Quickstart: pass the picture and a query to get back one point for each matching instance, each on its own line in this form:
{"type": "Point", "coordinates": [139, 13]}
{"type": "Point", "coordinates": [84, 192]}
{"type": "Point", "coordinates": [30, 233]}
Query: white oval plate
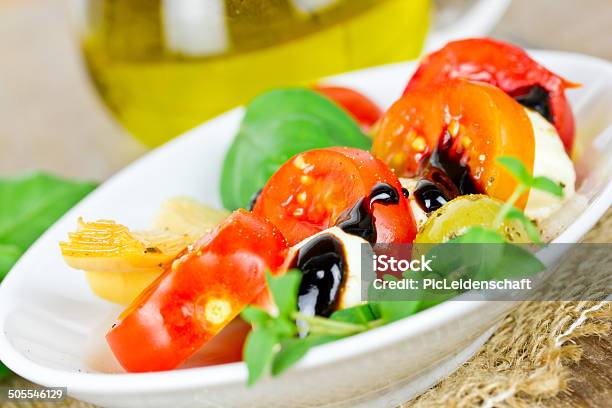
{"type": "Point", "coordinates": [52, 326]}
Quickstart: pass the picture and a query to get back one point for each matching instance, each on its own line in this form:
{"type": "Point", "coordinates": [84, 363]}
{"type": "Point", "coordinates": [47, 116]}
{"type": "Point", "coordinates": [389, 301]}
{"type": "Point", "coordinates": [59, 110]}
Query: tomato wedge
{"type": "Point", "coordinates": [483, 122]}
{"type": "Point", "coordinates": [308, 193]}
{"type": "Point", "coordinates": [507, 67]}
{"type": "Point", "coordinates": [200, 294]}
{"type": "Point", "coordinates": [359, 106]}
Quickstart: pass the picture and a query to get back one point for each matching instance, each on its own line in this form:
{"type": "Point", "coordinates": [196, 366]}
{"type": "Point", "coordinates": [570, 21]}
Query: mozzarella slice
{"type": "Point", "coordinates": [354, 250]}
{"type": "Point", "coordinates": [420, 216]}
{"type": "Point", "coordinates": [551, 161]}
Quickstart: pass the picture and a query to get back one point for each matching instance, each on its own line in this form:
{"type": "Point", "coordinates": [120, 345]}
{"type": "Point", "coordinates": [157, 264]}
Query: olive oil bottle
{"type": "Point", "coordinates": [165, 66]}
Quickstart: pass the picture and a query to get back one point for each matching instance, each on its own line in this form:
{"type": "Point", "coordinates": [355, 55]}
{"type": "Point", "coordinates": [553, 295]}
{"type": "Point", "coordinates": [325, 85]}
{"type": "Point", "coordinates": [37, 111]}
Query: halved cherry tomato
{"type": "Point", "coordinates": [482, 120]}
{"type": "Point", "coordinates": [359, 106]}
{"type": "Point", "coordinates": [507, 67]}
{"type": "Point", "coordinates": [308, 193]}
{"type": "Point", "coordinates": [200, 294]}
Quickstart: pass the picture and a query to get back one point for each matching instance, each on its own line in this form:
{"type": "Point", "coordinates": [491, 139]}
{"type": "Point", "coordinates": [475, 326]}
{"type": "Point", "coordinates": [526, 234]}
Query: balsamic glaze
{"type": "Point", "coordinates": [322, 260]}
{"type": "Point", "coordinates": [445, 175]}
{"type": "Point", "coordinates": [537, 98]}
{"type": "Point", "coordinates": [359, 219]}
{"type": "Point", "coordinates": [322, 264]}
{"type": "Point", "coordinates": [253, 199]}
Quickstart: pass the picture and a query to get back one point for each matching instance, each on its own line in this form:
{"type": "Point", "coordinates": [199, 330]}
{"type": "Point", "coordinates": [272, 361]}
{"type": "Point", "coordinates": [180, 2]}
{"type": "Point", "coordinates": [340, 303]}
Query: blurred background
{"type": "Point", "coordinates": [54, 117]}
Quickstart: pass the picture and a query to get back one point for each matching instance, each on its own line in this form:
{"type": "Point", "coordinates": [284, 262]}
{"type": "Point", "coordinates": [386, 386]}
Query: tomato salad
{"type": "Point", "coordinates": [314, 175]}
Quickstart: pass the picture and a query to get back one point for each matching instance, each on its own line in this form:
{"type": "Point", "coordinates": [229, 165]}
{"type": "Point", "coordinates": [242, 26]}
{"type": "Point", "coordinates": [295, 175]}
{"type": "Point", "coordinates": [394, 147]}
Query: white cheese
{"type": "Point", "coordinates": [354, 249]}
{"type": "Point", "coordinates": [551, 161]}
{"type": "Point", "coordinates": [420, 216]}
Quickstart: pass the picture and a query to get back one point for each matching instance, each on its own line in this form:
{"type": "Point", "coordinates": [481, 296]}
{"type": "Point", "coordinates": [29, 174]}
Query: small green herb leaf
{"type": "Point", "coordinates": [292, 350]}
{"type": "Point", "coordinates": [258, 352]}
{"type": "Point", "coordinates": [479, 235]}
{"type": "Point", "coordinates": [531, 229]}
{"type": "Point", "coordinates": [545, 184]}
{"type": "Point", "coordinates": [517, 168]}
{"type": "Point", "coordinates": [255, 316]}
{"type": "Point", "coordinates": [283, 327]}
{"type": "Point", "coordinates": [359, 314]}
{"type": "Point", "coordinates": [284, 291]}
{"type": "Point", "coordinates": [396, 310]}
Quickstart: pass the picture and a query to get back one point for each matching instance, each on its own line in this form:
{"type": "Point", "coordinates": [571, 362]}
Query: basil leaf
{"type": "Point", "coordinates": [545, 184]}
{"type": "Point", "coordinates": [292, 350]}
{"type": "Point", "coordinates": [516, 168]}
{"type": "Point", "coordinates": [258, 352]}
{"type": "Point", "coordinates": [31, 204]}
{"type": "Point", "coordinates": [9, 254]}
{"type": "Point", "coordinates": [28, 206]}
{"type": "Point", "coordinates": [278, 125]}
{"type": "Point", "coordinates": [255, 316]}
{"type": "Point", "coordinates": [359, 314]}
{"type": "Point", "coordinates": [479, 235]}
{"type": "Point", "coordinates": [4, 372]}
{"type": "Point", "coordinates": [284, 291]}
{"type": "Point", "coordinates": [396, 310]}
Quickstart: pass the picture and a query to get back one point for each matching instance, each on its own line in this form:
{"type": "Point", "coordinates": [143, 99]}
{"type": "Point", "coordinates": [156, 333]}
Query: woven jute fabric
{"type": "Point", "coordinates": [525, 363]}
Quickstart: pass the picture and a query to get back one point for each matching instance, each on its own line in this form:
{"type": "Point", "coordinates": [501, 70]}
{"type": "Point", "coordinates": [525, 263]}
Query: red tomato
{"type": "Point", "coordinates": [359, 106]}
{"type": "Point", "coordinates": [483, 121]}
{"type": "Point", "coordinates": [308, 193]}
{"type": "Point", "coordinates": [199, 295]}
{"type": "Point", "coordinates": [507, 67]}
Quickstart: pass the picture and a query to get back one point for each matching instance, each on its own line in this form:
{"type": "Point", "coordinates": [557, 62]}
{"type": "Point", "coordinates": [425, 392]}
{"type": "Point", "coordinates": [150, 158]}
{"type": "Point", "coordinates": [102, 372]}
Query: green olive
{"type": "Point", "coordinates": [454, 217]}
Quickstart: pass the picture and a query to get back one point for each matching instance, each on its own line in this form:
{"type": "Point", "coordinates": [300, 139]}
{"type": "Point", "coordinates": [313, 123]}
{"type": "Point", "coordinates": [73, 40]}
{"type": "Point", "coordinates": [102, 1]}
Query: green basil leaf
{"type": "Point", "coordinates": [4, 371]}
{"type": "Point", "coordinates": [284, 291]}
{"type": "Point", "coordinates": [255, 316]}
{"type": "Point", "coordinates": [545, 184]}
{"type": "Point", "coordinates": [359, 314]}
{"type": "Point", "coordinates": [479, 235]}
{"type": "Point", "coordinates": [28, 206]}
{"type": "Point", "coordinates": [258, 352]}
{"type": "Point", "coordinates": [532, 231]}
{"type": "Point", "coordinates": [278, 125]}
{"type": "Point", "coordinates": [516, 168]}
{"type": "Point", "coordinates": [291, 352]}
{"type": "Point", "coordinates": [396, 310]}
{"type": "Point", "coordinates": [283, 327]}
{"type": "Point", "coordinates": [9, 254]}
{"type": "Point", "coordinates": [31, 204]}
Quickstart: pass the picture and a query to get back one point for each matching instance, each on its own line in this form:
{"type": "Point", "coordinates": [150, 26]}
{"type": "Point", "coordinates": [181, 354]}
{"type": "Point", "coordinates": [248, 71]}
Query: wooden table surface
{"type": "Point", "coordinates": [50, 117]}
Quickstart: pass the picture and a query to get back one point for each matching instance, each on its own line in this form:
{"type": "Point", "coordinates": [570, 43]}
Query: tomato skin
{"type": "Point", "coordinates": [359, 106]}
{"type": "Point", "coordinates": [500, 64]}
{"type": "Point", "coordinates": [200, 294]}
{"type": "Point", "coordinates": [308, 193]}
{"type": "Point", "coordinates": [485, 122]}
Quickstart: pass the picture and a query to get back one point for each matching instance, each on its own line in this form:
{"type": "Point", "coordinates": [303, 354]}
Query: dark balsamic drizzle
{"type": "Point", "coordinates": [359, 219]}
{"type": "Point", "coordinates": [322, 264]}
{"type": "Point", "coordinates": [444, 176]}
{"type": "Point", "coordinates": [253, 199]}
{"type": "Point", "coordinates": [322, 259]}
{"type": "Point", "coordinates": [535, 97]}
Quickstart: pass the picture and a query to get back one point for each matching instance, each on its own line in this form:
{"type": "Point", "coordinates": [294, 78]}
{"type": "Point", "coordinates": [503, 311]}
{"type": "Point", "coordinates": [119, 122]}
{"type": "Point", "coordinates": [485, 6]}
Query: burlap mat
{"type": "Point", "coordinates": [527, 362]}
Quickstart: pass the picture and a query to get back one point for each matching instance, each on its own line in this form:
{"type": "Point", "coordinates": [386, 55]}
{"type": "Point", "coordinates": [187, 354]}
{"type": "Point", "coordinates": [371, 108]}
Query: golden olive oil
{"type": "Point", "coordinates": [164, 66]}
